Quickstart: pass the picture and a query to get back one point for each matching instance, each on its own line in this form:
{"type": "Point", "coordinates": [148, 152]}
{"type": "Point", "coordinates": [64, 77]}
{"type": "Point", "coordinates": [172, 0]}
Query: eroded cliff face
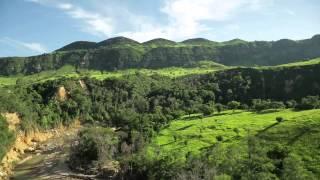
{"type": "Point", "coordinates": [62, 94]}
{"type": "Point", "coordinates": [26, 142]}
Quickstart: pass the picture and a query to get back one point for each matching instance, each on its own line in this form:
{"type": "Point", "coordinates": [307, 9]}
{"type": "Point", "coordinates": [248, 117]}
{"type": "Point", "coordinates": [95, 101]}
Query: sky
{"type": "Point", "coordinates": [31, 27]}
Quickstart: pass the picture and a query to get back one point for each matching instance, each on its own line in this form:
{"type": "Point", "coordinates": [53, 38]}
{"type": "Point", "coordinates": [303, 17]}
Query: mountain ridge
{"type": "Point", "coordinates": [124, 53]}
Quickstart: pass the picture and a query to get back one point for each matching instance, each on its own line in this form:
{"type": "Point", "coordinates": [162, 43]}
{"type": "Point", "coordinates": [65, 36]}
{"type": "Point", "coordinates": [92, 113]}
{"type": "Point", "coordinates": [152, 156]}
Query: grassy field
{"type": "Point", "coordinates": [300, 130]}
{"type": "Point", "coordinates": [302, 63]}
{"type": "Point", "coordinates": [69, 71]}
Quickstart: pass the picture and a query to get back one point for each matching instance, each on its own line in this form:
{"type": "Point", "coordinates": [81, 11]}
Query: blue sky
{"type": "Point", "coordinates": [31, 27]}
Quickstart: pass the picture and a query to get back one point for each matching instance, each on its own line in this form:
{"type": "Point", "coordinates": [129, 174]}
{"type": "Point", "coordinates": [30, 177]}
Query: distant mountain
{"type": "Point", "coordinates": [117, 41]}
{"type": "Point", "coordinates": [199, 41]}
{"type": "Point", "coordinates": [235, 41]}
{"type": "Point", "coordinates": [78, 45]}
{"type": "Point", "coordinates": [160, 42]}
{"type": "Point", "coordinates": [122, 53]}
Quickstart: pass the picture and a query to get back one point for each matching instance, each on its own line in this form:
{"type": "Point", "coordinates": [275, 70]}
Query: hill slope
{"type": "Point", "coordinates": [225, 136]}
{"type": "Point", "coordinates": [123, 53]}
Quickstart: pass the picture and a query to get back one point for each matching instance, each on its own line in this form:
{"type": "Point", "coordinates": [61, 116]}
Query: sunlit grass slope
{"type": "Point", "coordinates": [70, 71]}
{"type": "Point", "coordinates": [300, 131]}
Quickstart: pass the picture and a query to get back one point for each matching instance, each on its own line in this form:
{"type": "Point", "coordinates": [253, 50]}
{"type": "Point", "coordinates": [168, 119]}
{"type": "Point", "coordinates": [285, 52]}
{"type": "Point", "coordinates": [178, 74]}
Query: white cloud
{"type": "Point", "coordinates": [32, 46]}
{"type": "Point", "coordinates": [65, 6]}
{"type": "Point", "coordinates": [94, 23]}
{"type": "Point", "coordinates": [185, 18]}
{"type": "Point", "coordinates": [36, 47]}
{"type": "Point", "coordinates": [232, 27]}
{"type": "Point", "coordinates": [290, 12]}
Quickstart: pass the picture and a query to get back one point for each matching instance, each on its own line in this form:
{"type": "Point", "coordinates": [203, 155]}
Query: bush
{"type": "Point", "coordinates": [206, 110]}
{"type": "Point", "coordinates": [259, 105]}
{"type": "Point", "coordinates": [233, 105]}
{"type": "Point", "coordinates": [291, 103]}
{"type": "Point", "coordinates": [95, 146]}
{"type": "Point", "coordinates": [236, 130]}
{"type": "Point", "coordinates": [279, 119]}
{"type": "Point", "coordinates": [219, 138]}
{"type": "Point", "coordinates": [6, 137]}
{"type": "Point", "coordinates": [244, 106]}
{"type": "Point", "coordinates": [219, 107]}
{"type": "Point", "coordinates": [309, 102]}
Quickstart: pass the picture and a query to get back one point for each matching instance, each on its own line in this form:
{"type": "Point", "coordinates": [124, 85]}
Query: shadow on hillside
{"type": "Point", "coordinates": [212, 115]}
{"type": "Point", "coordinates": [192, 117]}
{"type": "Point", "coordinates": [267, 128]}
{"type": "Point", "coordinates": [301, 133]}
{"type": "Point", "coordinates": [268, 111]}
{"type": "Point", "coordinates": [185, 127]}
{"type": "Point", "coordinates": [221, 114]}
{"type": "Point", "coordinates": [167, 143]}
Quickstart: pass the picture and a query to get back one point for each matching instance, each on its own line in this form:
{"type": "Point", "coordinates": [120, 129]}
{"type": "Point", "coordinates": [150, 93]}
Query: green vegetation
{"type": "Point", "coordinates": [202, 121]}
{"type": "Point", "coordinates": [198, 133]}
{"type": "Point", "coordinates": [121, 53]}
{"type": "Point", "coordinates": [69, 71]}
{"type": "Point", "coordinates": [96, 147]}
{"type": "Point", "coordinates": [298, 135]}
{"type": "Point", "coordinates": [6, 137]}
{"type": "Point", "coordinates": [302, 63]}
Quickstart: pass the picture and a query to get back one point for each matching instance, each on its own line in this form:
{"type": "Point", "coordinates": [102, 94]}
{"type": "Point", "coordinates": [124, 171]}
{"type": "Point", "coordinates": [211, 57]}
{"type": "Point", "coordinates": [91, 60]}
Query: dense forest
{"type": "Point", "coordinates": [139, 106]}
{"type": "Point", "coordinates": [123, 53]}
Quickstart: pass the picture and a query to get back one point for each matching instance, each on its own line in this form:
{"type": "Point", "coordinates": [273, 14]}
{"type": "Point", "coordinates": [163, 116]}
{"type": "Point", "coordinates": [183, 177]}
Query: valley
{"type": "Point", "coordinates": [151, 119]}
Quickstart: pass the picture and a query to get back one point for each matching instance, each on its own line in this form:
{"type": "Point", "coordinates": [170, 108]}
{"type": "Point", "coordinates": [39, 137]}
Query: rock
{"type": "Point", "coordinates": [29, 150]}
{"type": "Point", "coordinates": [110, 169]}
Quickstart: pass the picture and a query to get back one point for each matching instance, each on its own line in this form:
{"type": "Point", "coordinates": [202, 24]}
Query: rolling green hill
{"type": "Point", "coordinates": [123, 53]}
{"type": "Point", "coordinates": [69, 71]}
{"type": "Point", "coordinates": [299, 134]}
{"type": "Point", "coordinates": [161, 121]}
{"type": "Point", "coordinates": [167, 109]}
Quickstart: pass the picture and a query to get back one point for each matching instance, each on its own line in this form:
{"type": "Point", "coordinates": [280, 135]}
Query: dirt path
{"type": "Point", "coordinates": [48, 161]}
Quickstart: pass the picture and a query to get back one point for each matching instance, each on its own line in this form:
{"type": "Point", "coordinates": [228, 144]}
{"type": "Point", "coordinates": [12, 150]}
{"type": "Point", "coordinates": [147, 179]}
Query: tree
{"type": "Point", "coordinates": [291, 103]}
{"type": "Point", "coordinates": [206, 110]}
{"type": "Point", "coordinates": [233, 105]}
{"type": "Point", "coordinates": [219, 107]}
{"type": "Point", "coordinates": [6, 137]}
{"type": "Point", "coordinates": [257, 165]}
{"type": "Point", "coordinates": [293, 169]}
{"type": "Point", "coordinates": [279, 119]}
{"type": "Point", "coordinates": [309, 102]}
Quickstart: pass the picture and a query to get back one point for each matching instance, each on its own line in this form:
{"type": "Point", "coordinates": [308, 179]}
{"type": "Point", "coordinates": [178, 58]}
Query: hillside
{"type": "Point", "coordinates": [131, 116]}
{"type": "Point", "coordinates": [226, 136]}
{"type": "Point", "coordinates": [123, 53]}
{"type": "Point", "coordinates": [68, 71]}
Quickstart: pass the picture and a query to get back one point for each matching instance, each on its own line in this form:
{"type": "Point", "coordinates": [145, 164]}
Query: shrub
{"type": "Point", "coordinates": [309, 102]}
{"type": "Point", "coordinates": [219, 138]}
{"type": "Point", "coordinates": [6, 137]}
{"type": "Point", "coordinates": [259, 105]}
{"type": "Point", "coordinates": [236, 130]}
{"type": "Point", "coordinates": [206, 110]}
{"type": "Point", "coordinates": [279, 119]}
{"type": "Point", "coordinates": [95, 145]}
{"type": "Point", "coordinates": [244, 106]}
{"type": "Point", "coordinates": [233, 105]}
{"type": "Point", "coordinates": [291, 103]}
{"type": "Point", "coordinates": [219, 107]}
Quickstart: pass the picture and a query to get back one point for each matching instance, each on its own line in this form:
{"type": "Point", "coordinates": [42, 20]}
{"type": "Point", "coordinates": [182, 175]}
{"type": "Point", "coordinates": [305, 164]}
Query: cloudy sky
{"type": "Point", "coordinates": [30, 27]}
